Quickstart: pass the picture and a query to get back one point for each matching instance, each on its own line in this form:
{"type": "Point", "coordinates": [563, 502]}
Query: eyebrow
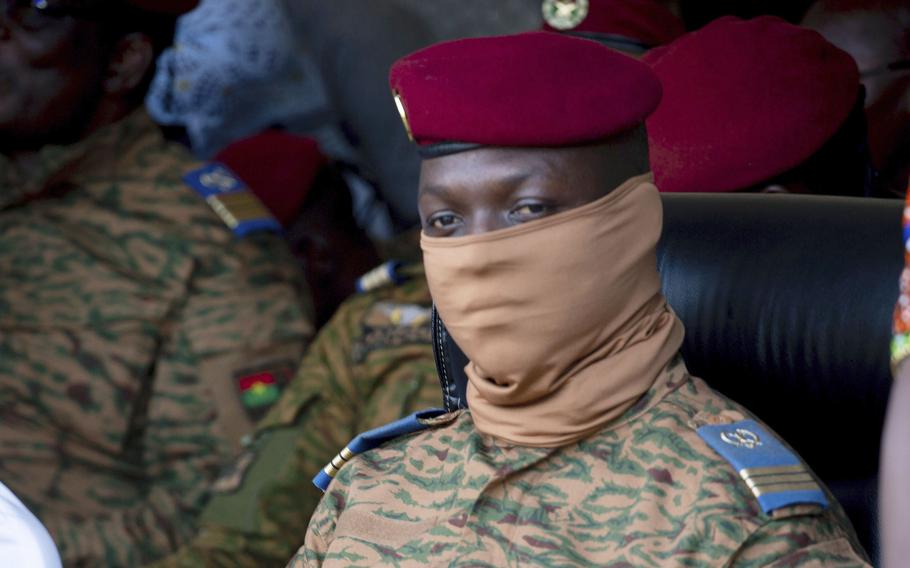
{"type": "Point", "coordinates": [514, 180]}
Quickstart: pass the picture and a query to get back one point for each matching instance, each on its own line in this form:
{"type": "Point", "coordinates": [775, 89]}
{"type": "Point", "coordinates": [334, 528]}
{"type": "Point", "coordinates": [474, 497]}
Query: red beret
{"type": "Point", "coordinates": [279, 168]}
{"type": "Point", "coordinates": [646, 21]}
{"type": "Point", "coordinates": [172, 7]}
{"type": "Point", "coordinates": [530, 89]}
{"type": "Point", "coordinates": [745, 101]}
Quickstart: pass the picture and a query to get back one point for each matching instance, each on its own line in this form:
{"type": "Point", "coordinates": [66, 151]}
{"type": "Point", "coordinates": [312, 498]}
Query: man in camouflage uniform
{"type": "Point", "coordinates": [139, 334]}
{"type": "Point", "coordinates": [371, 364]}
{"type": "Point", "coordinates": [587, 442]}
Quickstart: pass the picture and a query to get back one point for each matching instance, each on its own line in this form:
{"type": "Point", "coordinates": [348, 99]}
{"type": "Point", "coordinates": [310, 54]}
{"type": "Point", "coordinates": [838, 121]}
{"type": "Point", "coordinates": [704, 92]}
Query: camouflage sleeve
{"type": "Point", "coordinates": [802, 541]}
{"type": "Point", "coordinates": [322, 527]}
{"type": "Point", "coordinates": [242, 314]}
{"type": "Point", "coordinates": [350, 380]}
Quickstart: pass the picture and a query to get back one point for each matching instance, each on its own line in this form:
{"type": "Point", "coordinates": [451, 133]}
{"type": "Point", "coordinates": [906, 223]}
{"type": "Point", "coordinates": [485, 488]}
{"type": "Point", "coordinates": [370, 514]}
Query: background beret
{"type": "Point", "coordinates": [646, 21]}
{"type": "Point", "coordinates": [279, 168]}
{"type": "Point", "coordinates": [745, 101]}
{"type": "Point", "coordinates": [530, 89]}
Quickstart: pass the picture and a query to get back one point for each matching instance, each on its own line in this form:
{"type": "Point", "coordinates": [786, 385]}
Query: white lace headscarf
{"type": "Point", "coordinates": [236, 69]}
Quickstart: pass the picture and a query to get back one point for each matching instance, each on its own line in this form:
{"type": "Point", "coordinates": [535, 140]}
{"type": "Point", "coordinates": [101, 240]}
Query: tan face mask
{"type": "Point", "coordinates": [562, 318]}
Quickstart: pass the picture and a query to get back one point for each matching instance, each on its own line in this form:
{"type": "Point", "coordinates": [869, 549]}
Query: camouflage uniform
{"type": "Point", "coordinates": [646, 491]}
{"type": "Point", "coordinates": [128, 310]}
{"type": "Point", "coordinates": [371, 364]}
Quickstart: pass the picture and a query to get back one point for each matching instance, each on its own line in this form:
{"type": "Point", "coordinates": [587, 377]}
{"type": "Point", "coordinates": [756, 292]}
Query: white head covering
{"type": "Point", "coordinates": [236, 69]}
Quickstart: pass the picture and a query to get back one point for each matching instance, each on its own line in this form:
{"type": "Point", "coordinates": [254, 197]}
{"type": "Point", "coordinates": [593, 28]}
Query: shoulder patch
{"type": "Point", "coordinates": [774, 474]}
{"type": "Point", "coordinates": [387, 274]}
{"type": "Point", "coordinates": [231, 200]}
{"type": "Point", "coordinates": [421, 420]}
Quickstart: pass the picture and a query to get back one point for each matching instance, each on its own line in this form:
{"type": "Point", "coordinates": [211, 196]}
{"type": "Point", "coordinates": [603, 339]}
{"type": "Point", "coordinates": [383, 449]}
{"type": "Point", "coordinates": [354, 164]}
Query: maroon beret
{"type": "Point", "coordinates": [745, 101]}
{"type": "Point", "coordinates": [531, 89]}
{"type": "Point", "coordinates": [646, 21]}
{"type": "Point", "coordinates": [279, 168]}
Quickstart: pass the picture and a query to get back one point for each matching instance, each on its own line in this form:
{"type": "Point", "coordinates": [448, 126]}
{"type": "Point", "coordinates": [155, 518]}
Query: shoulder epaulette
{"type": "Point", "coordinates": [416, 422]}
{"type": "Point", "coordinates": [386, 274]}
{"type": "Point", "coordinates": [231, 200]}
{"type": "Point", "coordinates": [776, 476]}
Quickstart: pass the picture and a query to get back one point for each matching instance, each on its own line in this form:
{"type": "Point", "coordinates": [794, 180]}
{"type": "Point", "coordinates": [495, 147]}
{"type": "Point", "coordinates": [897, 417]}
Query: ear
{"type": "Point", "coordinates": [131, 59]}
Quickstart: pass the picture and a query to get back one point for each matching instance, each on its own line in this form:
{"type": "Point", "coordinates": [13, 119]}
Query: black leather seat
{"type": "Point", "coordinates": [787, 304]}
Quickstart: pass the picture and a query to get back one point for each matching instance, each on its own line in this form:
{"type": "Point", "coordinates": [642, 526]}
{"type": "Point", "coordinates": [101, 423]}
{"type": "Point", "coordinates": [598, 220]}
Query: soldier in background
{"type": "Point", "coordinates": [587, 442]}
{"type": "Point", "coordinates": [370, 365]}
{"type": "Point", "coordinates": [147, 311]}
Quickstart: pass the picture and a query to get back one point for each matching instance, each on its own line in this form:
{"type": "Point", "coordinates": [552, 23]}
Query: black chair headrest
{"type": "Point", "coordinates": [787, 304]}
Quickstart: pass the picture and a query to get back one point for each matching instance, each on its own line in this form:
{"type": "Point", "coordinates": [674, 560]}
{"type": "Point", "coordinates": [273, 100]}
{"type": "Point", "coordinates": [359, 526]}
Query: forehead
{"type": "Point", "coordinates": [492, 165]}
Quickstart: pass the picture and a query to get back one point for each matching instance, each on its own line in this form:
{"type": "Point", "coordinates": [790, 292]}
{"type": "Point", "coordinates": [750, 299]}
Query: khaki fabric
{"type": "Point", "coordinates": [128, 311]}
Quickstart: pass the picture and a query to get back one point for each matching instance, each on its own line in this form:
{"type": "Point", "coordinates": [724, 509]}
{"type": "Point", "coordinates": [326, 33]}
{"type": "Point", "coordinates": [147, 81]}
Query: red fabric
{"type": "Point", "coordinates": [646, 21]}
{"type": "Point", "coordinates": [278, 167]}
{"type": "Point", "coordinates": [744, 101]}
{"type": "Point", "coordinates": [175, 7]}
{"type": "Point", "coordinates": [531, 89]}
{"type": "Point", "coordinates": [248, 382]}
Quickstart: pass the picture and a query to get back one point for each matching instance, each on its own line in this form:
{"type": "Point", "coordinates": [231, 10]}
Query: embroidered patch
{"type": "Point", "coordinates": [416, 422]}
{"type": "Point", "coordinates": [774, 474]}
{"type": "Point", "coordinates": [388, 325]}
{"type": "Point", "coordinates": [259, 390]}
{"type": "Point", "coordinates": [231, 200]}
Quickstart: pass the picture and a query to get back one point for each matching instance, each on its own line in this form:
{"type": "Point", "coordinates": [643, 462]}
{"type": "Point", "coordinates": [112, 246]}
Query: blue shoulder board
{"type": "Point", "coordinates": [776, 476]}
{"type": "Point", "coordinates": [232, 200]}
{"type": "Point", "coordinates": [375, 438]}
{"type": "Point", "coordinates": [383, 275]}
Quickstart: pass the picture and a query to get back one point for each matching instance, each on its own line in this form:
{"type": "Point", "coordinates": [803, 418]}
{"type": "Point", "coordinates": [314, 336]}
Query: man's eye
{"type": "Point", "coordinates": [443, 221]}
{"type": "Point", "coordinates": [530, 211]}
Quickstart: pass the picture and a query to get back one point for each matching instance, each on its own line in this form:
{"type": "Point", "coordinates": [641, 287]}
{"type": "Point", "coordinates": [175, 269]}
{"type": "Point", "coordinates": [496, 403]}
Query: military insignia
{"type": "Point", "coordinates": [390, 325]}
{"type": "Point", "coordinates": [232, 200]}
{"type": "Point", "coordinates": [774, 474]}
{"type": "Point", "coordinates": [564, 14]}
{"type": "Point", "coordinates": [259, 390]}
{"type": "Point", "coordinates": [365, 442]}
{"type": "Point", "coordinates": [399, 104]}
{"type": "Point", "coordinates": [384, 275]}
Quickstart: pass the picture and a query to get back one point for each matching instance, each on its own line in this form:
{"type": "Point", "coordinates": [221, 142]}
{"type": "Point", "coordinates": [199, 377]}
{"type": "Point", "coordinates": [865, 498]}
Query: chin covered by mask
{"type": "Point", "coordinates": [562, 318]}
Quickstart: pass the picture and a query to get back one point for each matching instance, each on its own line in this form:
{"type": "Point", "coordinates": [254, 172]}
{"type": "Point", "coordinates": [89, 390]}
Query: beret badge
{"type": "Point", "coordinates": [564, 14]}
{"type": "Point", "coordinates": [404, 114]}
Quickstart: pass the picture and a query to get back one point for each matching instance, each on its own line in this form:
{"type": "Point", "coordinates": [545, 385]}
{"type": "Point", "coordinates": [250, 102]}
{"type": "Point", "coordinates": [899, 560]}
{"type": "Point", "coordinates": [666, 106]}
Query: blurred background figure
{"type": "Point", "coordinates": [758, 105]}
{"type": "Point", "coordinates": [236, 68]}
{"type": "Point", "coordinates": [309, 197]}
{"type": "Point", "coordinates": [148, 310]}
{"type": "Point", "coordinates": [877, 34]}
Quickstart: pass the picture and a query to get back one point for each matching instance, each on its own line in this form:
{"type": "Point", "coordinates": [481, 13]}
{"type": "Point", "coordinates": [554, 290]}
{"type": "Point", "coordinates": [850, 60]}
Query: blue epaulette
{"type": "Point", "coordinates": [232, 200]}
{"type": "Point", "coordinates": [386, 274]}
{"type": "Point", "coordinates": [374, 438]}
{"type": "Point", "coordinates": [774, 474]}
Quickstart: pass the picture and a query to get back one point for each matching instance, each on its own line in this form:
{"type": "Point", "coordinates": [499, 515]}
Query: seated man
{"type": "Point", "coordinates": [145, 301]}
{"type": "Point", "coordinates": [758, 105]}
{"type": "Point", "coordinates": [587, 442]}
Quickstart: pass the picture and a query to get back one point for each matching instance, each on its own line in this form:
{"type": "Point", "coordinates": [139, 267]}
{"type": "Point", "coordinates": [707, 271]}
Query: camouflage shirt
{"type": "Point", "coordinates": [371, 364]}
{"type": "Point", "coordinates": [128, 312]}
{"type": "Point", "coordinates": [645, 491]}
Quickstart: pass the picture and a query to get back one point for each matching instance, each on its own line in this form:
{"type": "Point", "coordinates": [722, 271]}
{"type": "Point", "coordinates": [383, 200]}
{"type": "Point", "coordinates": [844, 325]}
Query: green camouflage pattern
{"type": "Point", "coordinates": [127, 310]}
{"type": "Point", "coordinates": [645, 491]}
{"type": "Point", "coordinates": [370, 365]}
